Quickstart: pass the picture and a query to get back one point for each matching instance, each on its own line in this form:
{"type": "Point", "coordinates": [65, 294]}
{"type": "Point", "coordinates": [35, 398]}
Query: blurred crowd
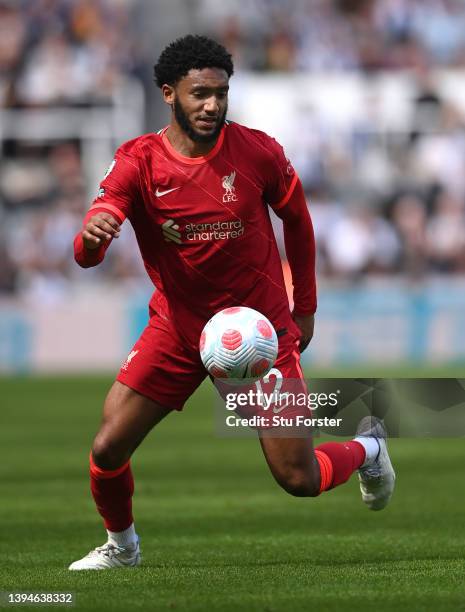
{"type": "Point", "coordinates": [381, 204]}
{"type": "Point", "coordinates": [54, 53]}
{"type": "Point", "coordinates": [64, 51]}
{"type": "Point", "coordinates": [389, 203]}
{"type": "Point", "coordinates": [335, 35]}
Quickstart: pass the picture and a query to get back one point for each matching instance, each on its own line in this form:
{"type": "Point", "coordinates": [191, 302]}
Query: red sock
{"type": "Point", "coordinates": [112, 491]}
{"type": "Point", "coordinates": [337, 461]}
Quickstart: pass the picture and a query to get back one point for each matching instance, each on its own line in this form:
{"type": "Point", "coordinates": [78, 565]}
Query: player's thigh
{"type": "Point", "coordinates": [127, 418]}
{"type": "Point", "coordinates": [158, 376]}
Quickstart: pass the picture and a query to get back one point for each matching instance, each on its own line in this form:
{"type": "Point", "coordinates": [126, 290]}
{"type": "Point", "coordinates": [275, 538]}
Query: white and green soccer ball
{"type": "Point", "coordinates": [238, 344]}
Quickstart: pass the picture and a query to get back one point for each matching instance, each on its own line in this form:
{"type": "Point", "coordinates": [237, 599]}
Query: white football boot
{"type": "Point", "coordinates": [377, 479]}
{"type": "Point", "coordinates": [109, 556]}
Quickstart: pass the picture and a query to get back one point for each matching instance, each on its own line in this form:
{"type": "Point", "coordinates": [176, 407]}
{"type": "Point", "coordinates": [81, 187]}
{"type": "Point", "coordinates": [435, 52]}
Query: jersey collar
{"type": "Point", "coordinates": [193, 160]}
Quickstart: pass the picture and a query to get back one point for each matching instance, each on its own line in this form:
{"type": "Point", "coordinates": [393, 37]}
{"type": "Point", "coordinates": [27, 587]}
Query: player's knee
{"type": "Point", "coordinates": [300, 484]}
{"type": "Point", "coordinates": [107, 454]}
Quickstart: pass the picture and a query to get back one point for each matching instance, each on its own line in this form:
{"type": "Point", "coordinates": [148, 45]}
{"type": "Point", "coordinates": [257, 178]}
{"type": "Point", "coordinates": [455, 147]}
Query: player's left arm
{"type": "Point", "coordinates": [299, 241]}
{"type": "Point", "coordinates": [285, 195]}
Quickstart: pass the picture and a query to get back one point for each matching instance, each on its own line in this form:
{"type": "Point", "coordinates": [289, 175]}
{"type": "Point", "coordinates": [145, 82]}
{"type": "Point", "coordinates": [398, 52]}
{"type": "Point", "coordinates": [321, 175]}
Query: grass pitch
{"type": "Point", "coordinates": [216, 531]}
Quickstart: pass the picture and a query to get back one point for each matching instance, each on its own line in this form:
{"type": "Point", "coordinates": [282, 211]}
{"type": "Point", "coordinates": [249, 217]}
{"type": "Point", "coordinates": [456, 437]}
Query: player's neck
{"type": "Point", "coordinates": [181, 142]}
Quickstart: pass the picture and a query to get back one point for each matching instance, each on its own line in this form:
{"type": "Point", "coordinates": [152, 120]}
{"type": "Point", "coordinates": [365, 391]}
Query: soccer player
{"type": "Point", "coordinates": [197, 194]}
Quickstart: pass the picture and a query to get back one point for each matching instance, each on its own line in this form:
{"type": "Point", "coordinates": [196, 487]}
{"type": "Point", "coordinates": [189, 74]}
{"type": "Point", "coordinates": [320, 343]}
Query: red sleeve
{"type": "Point", "coordinates": [282, 177]}
{"type": "Point", "coordinates": [299, 241]}
{"type": "Point", "coordinates": [117, 194]}
{"type": "Point", "coordinates": [119, 188]}
{"type": "Point", "coordinates": [87, 258]}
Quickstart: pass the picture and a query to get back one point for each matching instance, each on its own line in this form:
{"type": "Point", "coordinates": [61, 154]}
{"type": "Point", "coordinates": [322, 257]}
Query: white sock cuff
{"type": "Point", "coordinates": [371, 447]}
{"type": "Point", "coordinates": [123, 538]}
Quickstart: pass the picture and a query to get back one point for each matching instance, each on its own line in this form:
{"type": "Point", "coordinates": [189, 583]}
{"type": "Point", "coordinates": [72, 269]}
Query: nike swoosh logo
{"type": "Point", "coordinates": [159, 193]}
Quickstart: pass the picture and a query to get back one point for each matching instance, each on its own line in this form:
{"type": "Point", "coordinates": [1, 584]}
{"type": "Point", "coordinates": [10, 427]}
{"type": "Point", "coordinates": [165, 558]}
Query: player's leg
{"type": "Point", "coordinates": [158, 376]}
{"type": "Point", "coordinates": [292, 462]}
{"type": "Point", "coordinates": [304, 471]}
{"type": "Point", "coordinates": [128, 417]}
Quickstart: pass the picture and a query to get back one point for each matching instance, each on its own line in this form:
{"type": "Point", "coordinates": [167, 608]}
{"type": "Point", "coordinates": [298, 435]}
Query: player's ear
{"type": "Point", "coordinates": [168, 94]}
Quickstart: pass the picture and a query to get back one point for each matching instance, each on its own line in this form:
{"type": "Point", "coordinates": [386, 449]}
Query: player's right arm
{"type": "Point", "coordinates": [99, 228]}
{"type": "Point", "coordinates": [117, 194]}
{"type": "Point", "coordinates": [90, 245]}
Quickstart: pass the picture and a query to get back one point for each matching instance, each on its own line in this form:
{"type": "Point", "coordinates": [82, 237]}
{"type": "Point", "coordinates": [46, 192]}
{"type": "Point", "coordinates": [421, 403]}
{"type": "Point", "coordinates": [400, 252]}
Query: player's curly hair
{"type": "Point", "coordinates": [191, 51]}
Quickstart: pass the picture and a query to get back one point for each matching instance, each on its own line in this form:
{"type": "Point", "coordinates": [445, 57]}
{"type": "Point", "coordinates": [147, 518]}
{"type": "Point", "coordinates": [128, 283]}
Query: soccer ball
{"type": "Point", "coordinates": [238, 345]}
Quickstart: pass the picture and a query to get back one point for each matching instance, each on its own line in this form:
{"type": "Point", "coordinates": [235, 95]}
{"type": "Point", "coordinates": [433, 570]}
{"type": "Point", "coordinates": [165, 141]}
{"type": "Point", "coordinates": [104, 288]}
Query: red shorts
{"type": "Point", "coordinates": [165, 369]}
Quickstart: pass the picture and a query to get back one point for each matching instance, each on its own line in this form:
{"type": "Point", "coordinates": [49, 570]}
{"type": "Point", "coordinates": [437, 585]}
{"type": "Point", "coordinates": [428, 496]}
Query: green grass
{"type": "Point", "coordinates": [217, 533]}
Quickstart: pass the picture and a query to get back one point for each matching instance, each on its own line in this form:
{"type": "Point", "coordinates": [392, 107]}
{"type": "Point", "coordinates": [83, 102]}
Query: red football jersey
{"type": "Point", "coordinates": [203, 225]}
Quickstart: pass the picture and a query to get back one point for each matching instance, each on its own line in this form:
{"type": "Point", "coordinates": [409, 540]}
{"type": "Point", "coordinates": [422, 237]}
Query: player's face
{"type": "Point", "coordinates": [200, 103]}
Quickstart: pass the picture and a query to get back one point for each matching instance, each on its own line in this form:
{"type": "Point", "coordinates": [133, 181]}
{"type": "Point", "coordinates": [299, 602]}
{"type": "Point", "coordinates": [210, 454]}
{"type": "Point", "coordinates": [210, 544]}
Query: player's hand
{"type": "Point", "coordinates": [306, 324]}
{"type": "Point", "coordinates": [99, 229]}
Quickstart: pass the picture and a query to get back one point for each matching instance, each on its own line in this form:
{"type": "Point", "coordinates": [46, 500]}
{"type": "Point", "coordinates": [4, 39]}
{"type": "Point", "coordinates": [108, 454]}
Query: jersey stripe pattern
{"type": "Point", "coordinates": [203, 224]}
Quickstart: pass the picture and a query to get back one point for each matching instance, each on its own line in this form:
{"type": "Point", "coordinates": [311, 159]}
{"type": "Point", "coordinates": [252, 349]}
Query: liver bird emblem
{"type": "Point", "coordinates": [228, 183]}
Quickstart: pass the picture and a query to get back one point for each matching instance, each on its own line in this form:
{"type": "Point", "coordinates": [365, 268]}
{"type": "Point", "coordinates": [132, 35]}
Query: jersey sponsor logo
{"type": "Point", "coordinates": [170, 231]}
{"type": "Point", "coordinates": [219, 230]}
{"type": "Point", "coordinates": [130, 357]}
{"type": "Point", "coordinates": [110, 168]}
{"type": "Point", "coordinates": [159, 193]}
{"type": "Point", "coordinates": [202, 232]}
{"type": "Point", "coordinates": [101, 192]}
{"type": "Point", "coordinates": [229, 194]}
